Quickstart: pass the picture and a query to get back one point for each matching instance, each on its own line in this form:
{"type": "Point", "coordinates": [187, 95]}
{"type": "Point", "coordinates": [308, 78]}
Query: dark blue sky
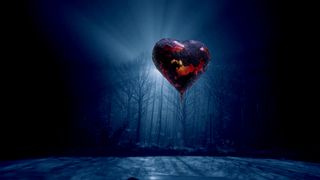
{"type": "Point", "coordinates": [113, 31]}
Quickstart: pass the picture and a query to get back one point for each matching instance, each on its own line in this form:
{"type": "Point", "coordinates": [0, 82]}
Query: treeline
{"type": "Point", "coordinates": [229, 106]}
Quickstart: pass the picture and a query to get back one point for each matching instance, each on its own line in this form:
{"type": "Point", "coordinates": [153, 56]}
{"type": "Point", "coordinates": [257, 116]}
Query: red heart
{"type": "Point", "coordinates": [181, 63]}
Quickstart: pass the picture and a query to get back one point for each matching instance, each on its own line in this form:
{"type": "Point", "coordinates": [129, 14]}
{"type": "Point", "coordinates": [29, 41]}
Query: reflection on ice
{"type": "Point", "coordinates": [158, 168]}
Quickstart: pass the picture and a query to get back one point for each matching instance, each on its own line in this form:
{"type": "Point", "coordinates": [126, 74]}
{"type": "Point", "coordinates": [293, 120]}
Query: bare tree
{"type": "Point", "coordinates": [160, 112]}
{"type": "Point", "coordinates": [141, 90]}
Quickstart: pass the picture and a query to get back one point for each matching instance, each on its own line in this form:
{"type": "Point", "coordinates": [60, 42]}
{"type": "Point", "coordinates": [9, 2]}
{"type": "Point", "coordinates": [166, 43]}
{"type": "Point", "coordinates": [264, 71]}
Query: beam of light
{"type": "Point", "coordinates": [121, 31]}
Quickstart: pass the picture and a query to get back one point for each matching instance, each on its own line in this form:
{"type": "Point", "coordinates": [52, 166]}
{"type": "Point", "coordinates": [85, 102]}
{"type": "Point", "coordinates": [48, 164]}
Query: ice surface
{"type": "Point", "coordinates": [159, 167]}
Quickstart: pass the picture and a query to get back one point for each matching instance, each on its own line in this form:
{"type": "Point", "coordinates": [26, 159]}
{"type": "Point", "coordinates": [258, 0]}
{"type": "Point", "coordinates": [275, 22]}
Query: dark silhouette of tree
{"type": "Point", "coordinates": [160, 112]}
{"type": "Point", "coordinates": [141, 89]}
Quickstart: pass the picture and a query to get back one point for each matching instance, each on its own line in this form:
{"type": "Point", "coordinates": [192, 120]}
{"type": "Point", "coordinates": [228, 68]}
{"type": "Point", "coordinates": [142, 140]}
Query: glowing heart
{"type": "Point", "coordinates": [181, 63]}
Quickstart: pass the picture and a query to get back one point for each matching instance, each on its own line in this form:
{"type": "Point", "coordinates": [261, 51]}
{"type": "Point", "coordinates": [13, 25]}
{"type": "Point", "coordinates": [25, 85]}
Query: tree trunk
{"type": "Point", "coordinates": [160, 112]}
{"type": "Point", "coordinates": [183, 121]}
{"type": "Point", "coordinates": [140, 101]}
{"type": "Point", "coordinates": [152, 114]}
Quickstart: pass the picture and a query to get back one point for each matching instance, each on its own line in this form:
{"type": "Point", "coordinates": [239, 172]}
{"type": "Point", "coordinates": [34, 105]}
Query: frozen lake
{"type": "Point", "coordinates": [158, 167]}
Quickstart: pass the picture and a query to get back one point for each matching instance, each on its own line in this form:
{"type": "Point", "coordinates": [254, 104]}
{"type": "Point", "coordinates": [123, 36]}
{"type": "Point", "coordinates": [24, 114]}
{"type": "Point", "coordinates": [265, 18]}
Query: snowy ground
{"type": "Point", "coordinates": [175, 167]}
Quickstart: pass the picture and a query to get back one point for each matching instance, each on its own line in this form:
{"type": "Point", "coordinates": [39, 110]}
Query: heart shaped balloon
{"type": "Point", "coordinates": [181, 63]}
